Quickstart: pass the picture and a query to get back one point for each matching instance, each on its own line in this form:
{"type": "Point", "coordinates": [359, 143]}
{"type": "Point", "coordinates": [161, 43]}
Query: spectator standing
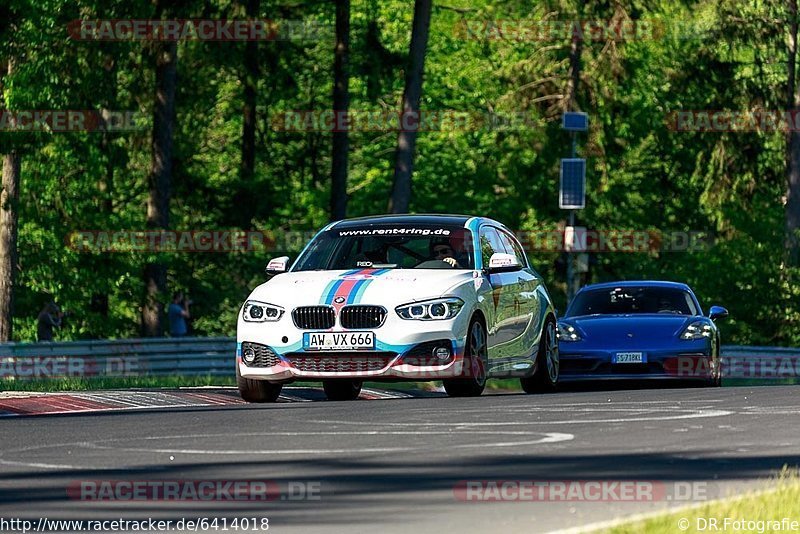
{"type": "Point", "coordinates": [49, 318]}
{"type": "Point", "coordinates": [178, 312]}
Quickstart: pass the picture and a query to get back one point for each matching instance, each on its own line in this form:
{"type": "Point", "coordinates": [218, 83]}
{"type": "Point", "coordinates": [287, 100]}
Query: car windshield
{"type": "Point", "coordinates": [627, 300]}
{"type": "Point", "coordinates": [389, 247]}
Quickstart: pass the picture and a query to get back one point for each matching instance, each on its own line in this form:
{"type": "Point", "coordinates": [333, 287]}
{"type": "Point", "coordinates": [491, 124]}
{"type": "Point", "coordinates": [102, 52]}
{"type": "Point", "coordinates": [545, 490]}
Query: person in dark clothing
{"type": "Point", "coordinates": [178, 313]}
{"type": "Point", "coordinates": [49, 318]}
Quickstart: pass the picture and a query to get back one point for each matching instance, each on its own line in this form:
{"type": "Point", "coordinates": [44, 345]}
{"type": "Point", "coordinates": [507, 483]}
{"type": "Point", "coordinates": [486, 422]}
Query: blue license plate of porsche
{"type": "Point", "coordinates": [629, 357]}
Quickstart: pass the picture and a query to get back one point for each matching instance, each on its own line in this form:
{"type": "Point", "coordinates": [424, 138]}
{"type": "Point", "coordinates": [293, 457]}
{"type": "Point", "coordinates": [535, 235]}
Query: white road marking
{"type": "Point", "coordinates": [552, 437]}
{"type": "Point", "coordinates": [293, 398]}
{"type": "Point", "coordinates": [40, 465]}
{"type": "Point", "coordinates": [696, 415]}
{"type": "Point", "coordinates": [388, 394]}
{"type": "Point", "coordinates": [547, 437]}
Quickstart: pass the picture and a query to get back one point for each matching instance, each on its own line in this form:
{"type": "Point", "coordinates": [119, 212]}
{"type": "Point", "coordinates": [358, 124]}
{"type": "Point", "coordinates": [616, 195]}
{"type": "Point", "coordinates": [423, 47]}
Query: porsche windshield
{"type": "Point", "coordinates": [627, 300]}
{"type": "Point", "coordinates": [389, 247]}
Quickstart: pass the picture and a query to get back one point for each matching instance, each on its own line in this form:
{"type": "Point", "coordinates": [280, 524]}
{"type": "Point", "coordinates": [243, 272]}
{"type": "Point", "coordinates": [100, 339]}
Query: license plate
{"type": "Point", "coordinates": [629, 357]}
{"type": "Point", "coordinates": [338, 340]}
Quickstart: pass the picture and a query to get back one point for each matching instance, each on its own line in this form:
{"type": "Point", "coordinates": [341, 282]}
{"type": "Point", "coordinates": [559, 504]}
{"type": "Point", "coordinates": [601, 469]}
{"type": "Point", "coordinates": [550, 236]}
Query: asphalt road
{"type": "Point", "coordinates": [392, 465]}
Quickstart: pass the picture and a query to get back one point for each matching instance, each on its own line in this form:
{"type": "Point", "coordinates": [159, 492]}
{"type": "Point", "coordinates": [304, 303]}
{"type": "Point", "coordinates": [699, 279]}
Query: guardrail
{"type": "Point", "coordinates": [190, 356]}
{"type": "Point", "coordinates": [204, 356]}
{"type": "Point", "coordinates": [760, 363]}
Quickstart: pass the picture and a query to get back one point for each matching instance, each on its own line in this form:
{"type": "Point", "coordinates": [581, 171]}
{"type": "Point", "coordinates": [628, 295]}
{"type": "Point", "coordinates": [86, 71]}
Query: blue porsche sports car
{"type": "Point", "coordinates": [639, 330]}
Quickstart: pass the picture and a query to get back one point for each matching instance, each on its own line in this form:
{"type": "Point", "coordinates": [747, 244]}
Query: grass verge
{"type": "Point", "coordinates": [90, 384]}
{"type": "Point", "coordinates": [754, 513]}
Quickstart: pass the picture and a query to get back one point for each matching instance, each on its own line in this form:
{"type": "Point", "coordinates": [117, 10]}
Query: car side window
{"type": "Point", "coordinates": [512, 246]}
{"type": "Point", "coordinates": [490, 243]}
{"type": "Point", "coordinates": [693, 310]}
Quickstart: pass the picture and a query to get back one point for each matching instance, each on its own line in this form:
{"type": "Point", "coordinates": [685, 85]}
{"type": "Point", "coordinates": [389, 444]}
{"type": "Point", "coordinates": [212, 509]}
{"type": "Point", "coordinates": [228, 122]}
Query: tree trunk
{"type": "Point", "coordinates": [575, 51]}
{"type": "Point", "coordinates": [160, 180]}
{"type": "Point", "coordinates": [247, 199]}
{"type": "Point", "coordinates": [341, 105]}
{"type": "Point", "coordinates": [407, 138]}
{"type": "Point", "coordinates": [105, 183]}
{"type": "Point", "coordinates": [793, 148]}
{"type": "Point", "coordinates": [9, 219]}
{"type": "Point", "coordinates": [250, 92]}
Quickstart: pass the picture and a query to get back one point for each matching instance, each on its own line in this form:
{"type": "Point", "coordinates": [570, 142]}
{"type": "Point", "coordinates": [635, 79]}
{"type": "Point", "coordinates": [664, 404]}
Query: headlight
{"type": "Point", "coordinates": [567, 332]}
{"type": "Point", "coordinates": [697, 330]}
{"type": "Point", "coordinates": [431, 310]}
{"type": "Point", "coordinates": [259, 312]}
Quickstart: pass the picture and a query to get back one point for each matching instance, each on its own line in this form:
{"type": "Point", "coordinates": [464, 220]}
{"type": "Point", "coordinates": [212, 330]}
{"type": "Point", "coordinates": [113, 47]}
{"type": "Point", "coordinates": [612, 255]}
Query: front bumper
{"type": "Point", "coordinates": [692, 363]}
{"type": "Point", "coordinates": [403, 351]}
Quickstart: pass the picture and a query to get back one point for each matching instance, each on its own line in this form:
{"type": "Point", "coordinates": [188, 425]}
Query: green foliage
{"type": "Point", "coordinates": [643, 176]}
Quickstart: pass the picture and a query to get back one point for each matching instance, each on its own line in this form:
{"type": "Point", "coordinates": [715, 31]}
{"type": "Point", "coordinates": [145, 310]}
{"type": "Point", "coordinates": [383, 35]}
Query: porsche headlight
{"type": "Point", "coordinates": [260, 312]}
{"type": "Point", "coordinates": [696, 330]}
{"type": "Point", "coordinates": [567, 332]}
{"type": "Point", "coordinates": [431, 310]}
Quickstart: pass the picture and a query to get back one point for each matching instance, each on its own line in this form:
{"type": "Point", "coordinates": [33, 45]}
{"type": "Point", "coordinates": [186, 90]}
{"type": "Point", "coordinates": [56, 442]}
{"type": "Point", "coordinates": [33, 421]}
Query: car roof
{"type": "Point", "coordinates": [404, 218]}
{"type": "Point", "coordinates": [637, 283]}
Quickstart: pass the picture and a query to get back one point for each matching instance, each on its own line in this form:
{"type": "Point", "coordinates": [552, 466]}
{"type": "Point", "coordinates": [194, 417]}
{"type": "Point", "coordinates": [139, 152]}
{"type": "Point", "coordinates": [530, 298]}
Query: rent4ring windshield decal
{"type": "Point", "coordinates": [395, 231]}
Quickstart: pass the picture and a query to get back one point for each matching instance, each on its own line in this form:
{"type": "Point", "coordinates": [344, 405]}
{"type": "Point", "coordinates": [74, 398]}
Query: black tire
{"type": "Point", "coordinates": [341, 389]}
{"type": "Point", "coordinates": [713, 382]}
{"type": "Point", "coordinates": [716, 380]}
{"type": "Point", "coordinates": [545, 378]}
{"type": "Point", "coordinates": [476, 356]}
{"type": "Point", "coordinates": [257, 390]}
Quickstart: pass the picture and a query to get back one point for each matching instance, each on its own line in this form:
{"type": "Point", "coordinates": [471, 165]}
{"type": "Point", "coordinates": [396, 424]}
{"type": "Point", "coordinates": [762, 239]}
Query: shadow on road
{"type": "Point", "coordinates": [352, 487]}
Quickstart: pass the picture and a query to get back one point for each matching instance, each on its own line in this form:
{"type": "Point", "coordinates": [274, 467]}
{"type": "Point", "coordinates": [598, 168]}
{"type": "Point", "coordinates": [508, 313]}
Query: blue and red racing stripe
{"type": "Point", "coordinates": [350, 285]}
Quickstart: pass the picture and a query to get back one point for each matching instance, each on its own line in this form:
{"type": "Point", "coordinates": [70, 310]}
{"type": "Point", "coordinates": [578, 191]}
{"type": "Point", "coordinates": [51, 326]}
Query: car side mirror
{"type": "Point", "coordinates": [503, 263]}
{"type": "Point", "coordinates": [717, 312]}
{"type": "Point", "coordinates": [277, 265]}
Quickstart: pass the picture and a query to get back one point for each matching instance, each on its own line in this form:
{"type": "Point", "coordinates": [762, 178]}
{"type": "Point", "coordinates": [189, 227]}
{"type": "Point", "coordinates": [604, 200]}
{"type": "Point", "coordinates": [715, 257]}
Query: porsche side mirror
{"type": "Point", "coordinates": [503, 263]}
{"type": "Point", "coordinates": [717, 312]}
{"type": "Point", "coordinates": [277, 265]}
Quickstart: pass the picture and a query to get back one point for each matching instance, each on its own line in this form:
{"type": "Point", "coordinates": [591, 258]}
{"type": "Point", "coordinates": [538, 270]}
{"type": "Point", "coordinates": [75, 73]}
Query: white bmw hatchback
{"type": "Point", "coordinates": [400, 297]}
